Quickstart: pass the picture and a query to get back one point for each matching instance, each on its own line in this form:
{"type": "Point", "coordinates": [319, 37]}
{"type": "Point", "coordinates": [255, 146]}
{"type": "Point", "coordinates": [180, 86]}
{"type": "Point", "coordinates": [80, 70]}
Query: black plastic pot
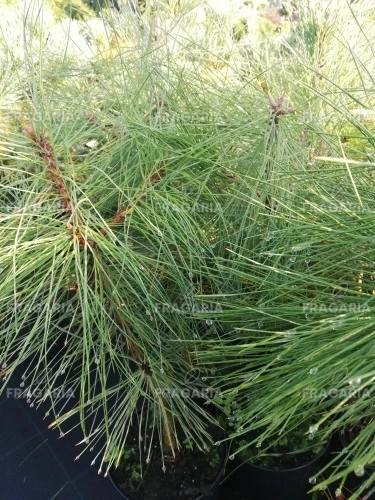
{"type": "Point", "coordinates": [210, 495]}
{"type": "Point", "coordinates": [263, 483]}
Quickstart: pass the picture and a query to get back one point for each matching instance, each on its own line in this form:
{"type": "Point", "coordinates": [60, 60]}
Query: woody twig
{"type": "Point", "coordinates": [122, 212]}
{"type": "Point", "coordinates": [278, 109]}
{"type": "Point", "coordinates": [139, 358]}
{"type": "Point", "coordinates": [56, 175]}
{"type": "Point", "coordinates": [136, 352]}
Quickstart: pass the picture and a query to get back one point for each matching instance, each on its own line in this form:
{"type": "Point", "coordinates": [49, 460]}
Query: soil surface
{"type": "Point", "coordinates": [187, 477]}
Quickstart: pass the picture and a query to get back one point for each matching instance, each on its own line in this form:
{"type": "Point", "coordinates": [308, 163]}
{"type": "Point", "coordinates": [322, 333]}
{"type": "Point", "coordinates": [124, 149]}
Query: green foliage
{"type": "Point", "coordinates": [162, 216]}
{"type": "Point", "coordinates": [214, 458]}
{"type": "Point", "coordinates": [292, 448]}
{"type": "Point", "coordinates": [98, 5]}
{"type": "Point", "coordinates": [73, 9]}
{"type": "Point", "coordinates": [187, 444]}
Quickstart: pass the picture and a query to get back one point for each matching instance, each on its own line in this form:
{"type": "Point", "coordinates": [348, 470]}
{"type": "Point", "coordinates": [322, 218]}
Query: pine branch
{"type": "Point", "coordinates": [122, 212]}
{"type": "Point", "coordinates": [47, 154]}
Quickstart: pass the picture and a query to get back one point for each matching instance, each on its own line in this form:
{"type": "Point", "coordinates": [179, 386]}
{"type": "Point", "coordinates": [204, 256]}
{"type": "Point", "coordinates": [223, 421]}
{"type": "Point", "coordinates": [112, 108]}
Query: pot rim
{"type": "Point", "coordinates": [200, 497]}
{"type": "Point", "coordinates": [298, 468]}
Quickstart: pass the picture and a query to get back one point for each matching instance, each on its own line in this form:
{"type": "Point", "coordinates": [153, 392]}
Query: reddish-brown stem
{"type": "Point", "coordinates": [122, 212]}
{"type": "Point", "coordinates": [55, 173]}
{"type": "Point", "coordinates": [47, 155]}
